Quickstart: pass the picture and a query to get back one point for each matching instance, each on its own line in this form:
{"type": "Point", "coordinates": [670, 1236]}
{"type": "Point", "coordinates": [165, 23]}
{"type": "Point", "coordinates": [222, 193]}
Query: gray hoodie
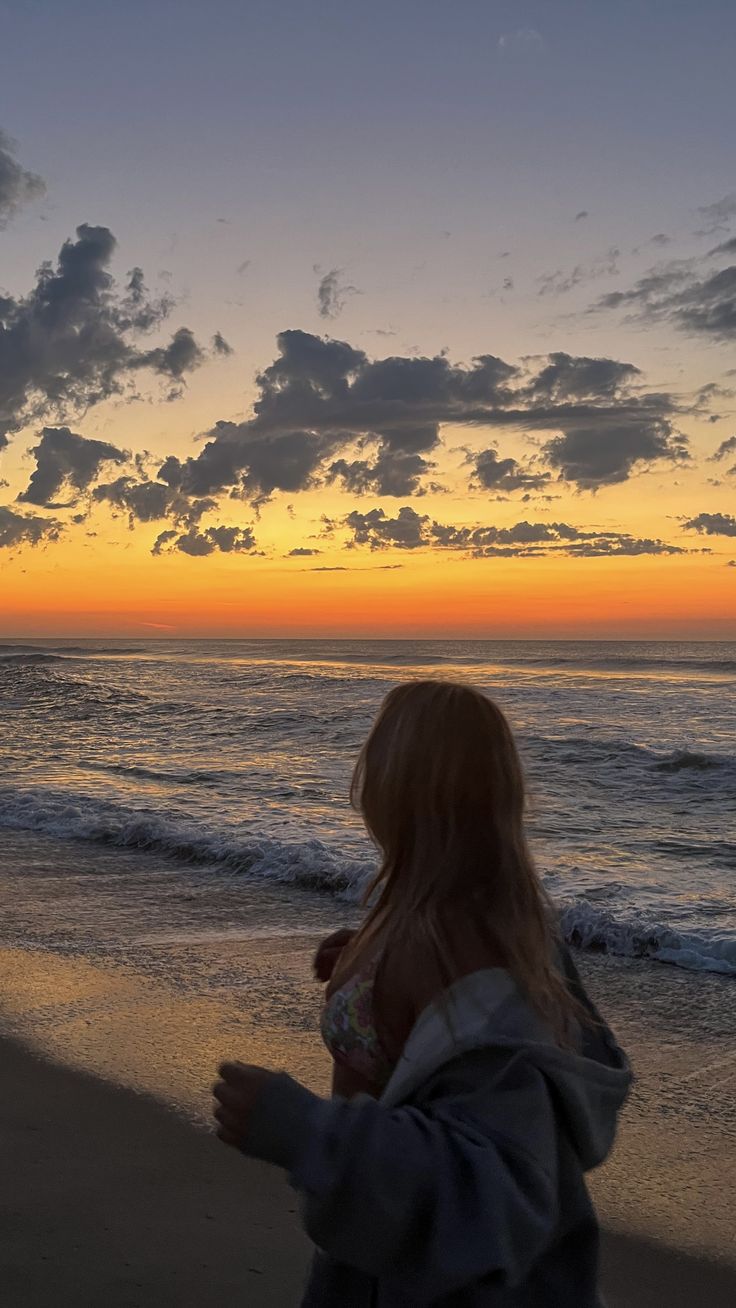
{"type": "Point", "coordinates": [463, 1186]}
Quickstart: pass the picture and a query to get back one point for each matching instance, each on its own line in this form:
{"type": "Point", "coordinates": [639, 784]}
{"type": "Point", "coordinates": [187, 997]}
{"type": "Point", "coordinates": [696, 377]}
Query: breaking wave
{"type": "Point", "coordinates": [314, 865]}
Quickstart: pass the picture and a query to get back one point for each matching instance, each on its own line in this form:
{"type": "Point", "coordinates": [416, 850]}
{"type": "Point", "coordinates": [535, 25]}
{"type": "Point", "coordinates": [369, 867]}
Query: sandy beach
{"type": "Point", "coordinates": [115, 1192]}
{"type": "Point", "coordinates": [107, 1197]}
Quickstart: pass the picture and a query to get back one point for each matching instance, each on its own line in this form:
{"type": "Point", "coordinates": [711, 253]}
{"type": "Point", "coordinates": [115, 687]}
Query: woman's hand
{"type": "Point", "coordinates": [329, 952]}
{"type": "Point", "coordinates": [237, 1092]}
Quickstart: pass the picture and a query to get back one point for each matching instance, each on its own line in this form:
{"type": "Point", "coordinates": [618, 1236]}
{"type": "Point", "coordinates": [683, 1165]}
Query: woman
{"type": "Point", "coordinates": [474, 1082]}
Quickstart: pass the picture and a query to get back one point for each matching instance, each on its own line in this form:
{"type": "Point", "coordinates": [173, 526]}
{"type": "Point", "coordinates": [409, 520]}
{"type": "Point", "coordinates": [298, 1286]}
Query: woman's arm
{"type": "Point", "coordinates": [434, 1196]}
{"type": "Point", "coordinates": [328, 953]}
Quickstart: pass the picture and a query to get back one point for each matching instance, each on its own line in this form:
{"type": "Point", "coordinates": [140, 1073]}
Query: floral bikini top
{"type": "Point", "coordinates": [349, 1028]}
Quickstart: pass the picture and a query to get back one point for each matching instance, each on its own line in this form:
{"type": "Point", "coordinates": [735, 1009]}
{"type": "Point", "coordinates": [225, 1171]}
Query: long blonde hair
{"type": "Point", "coordinates": [440, 786]}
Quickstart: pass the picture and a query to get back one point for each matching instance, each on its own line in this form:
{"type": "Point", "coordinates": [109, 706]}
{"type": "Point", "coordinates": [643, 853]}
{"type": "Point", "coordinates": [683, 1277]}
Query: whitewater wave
{"type": "Point", "coordinates": [313, 865]}
{"type": "Point", "coordinates": [309, 864]}
{"type": "Point", "coordinates": [589, 927]}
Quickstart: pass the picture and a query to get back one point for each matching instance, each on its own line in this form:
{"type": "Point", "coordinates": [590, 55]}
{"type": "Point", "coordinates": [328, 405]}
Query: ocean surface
{"type": "Point", "coordinates": [150, 770]}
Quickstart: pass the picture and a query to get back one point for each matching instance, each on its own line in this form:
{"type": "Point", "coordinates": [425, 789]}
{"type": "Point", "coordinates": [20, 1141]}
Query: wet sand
{"type": "Point", "coordinates": [108, 1196]}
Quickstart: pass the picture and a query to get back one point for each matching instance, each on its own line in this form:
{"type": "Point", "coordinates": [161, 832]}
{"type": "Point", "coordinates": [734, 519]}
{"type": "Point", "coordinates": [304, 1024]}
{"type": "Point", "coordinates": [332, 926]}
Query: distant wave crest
{"type": "Point", "coordinates": [41, 652]}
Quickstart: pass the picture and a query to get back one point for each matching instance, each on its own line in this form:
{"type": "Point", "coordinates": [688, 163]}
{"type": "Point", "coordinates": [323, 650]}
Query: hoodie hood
{"type": "Point", "coordinates": [588, 1082]}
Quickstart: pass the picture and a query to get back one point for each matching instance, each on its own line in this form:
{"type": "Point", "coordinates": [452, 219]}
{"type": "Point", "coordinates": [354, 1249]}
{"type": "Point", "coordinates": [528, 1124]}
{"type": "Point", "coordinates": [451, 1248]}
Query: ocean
{"type": "Point", "coordinates": [183, 791]}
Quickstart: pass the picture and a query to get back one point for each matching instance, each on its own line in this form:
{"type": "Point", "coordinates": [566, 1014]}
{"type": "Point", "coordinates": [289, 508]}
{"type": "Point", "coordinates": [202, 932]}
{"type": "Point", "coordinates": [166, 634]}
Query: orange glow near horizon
{"type": "Point", "coordinates": [630, 598]}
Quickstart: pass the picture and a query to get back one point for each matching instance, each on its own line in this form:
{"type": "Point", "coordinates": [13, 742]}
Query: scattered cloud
{"type": "Point", "coordinates": [69, 463]}
{"type": "Point", "coordinates": [198, 544]}
{"type": "Point", "coordinates": [150, 501]}
{"type": "Point", "coordinates": [726, 447]}
{"type": "Point", "coordinates": [17, 185]}
{"type": "Point", "coordinates": [242, 268]}
{"type": "Point", "coordinates": [72, 341]}
{"type": "Point", "coordinates": [302, 552]}
{"type": "Point", "coordinates": [675, 294]}
{"type": "Point", "coordinates": [659, 241]}
{"type": "Point", "coordinates": [26, 528]}
{"type": "Point", "coordinates": [494, 474]}
{"type": "Point", "coordinates": [333, 292]}
{"type": "Point", "coordinates": [582, 214]}
{"type": "Point", "coordinates": [410, 530]}
{"type": "Point", "coordinates": [559, 283]}
{"type": "Point", "coordinates": [393, 473]}
{"type": "Point", "coordinates": [712, 524]}
{"type": "Point", "coordinates": [220, 345]}
{"type": "Point", "coordinates": [406, 531]}
{"type": "Point", "coordinates": [524, 39]}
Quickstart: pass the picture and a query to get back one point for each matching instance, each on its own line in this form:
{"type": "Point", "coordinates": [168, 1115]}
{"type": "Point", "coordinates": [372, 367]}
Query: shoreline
{"type": "Point", "coordinates": [128, 1204]}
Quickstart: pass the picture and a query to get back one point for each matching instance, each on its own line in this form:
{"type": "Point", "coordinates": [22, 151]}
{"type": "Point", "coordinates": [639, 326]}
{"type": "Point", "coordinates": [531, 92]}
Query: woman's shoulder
{"type": "Point", "coordinates": [418, 965]}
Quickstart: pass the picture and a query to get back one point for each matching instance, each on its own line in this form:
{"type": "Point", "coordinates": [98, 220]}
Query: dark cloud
{"type": "Point", "coordinates": [150, 501]}
{"type": "Point", "coordinates": [576, 377]}
{"type": "Point", "coordinates": [675, 294]}
{"type": "Point", "coordinates": [220, 345]}
{"type": "Point", "coordinates": [717, 216]}
{"type": "Point", "coordinates": [726, 447]}
{"type": "Point", "coordinates": [376, 530]}
{"type": "Point", "coordinates": [17, 185]}
{"type": "Point", "coordinates": [659, 241]}
{"type": "Point", "coordinates": [302, 552]}
{"type": "Point", "coordinates": [726, 247]}
{"type": "Point", "coordinates": [332, 293]}
{"type": "Point", "coordinates": [26, 528]}
{"type": "Point", "coordinates": [393, 473]}
{"type": "Point", "coordinates": [228, 540]}
{"type": "Point", "coordinates": [559, 283]}
{"type": "Point", "coordinates": [712, 524]}
{"type": "Point", "coordinates": [71, 342]}
{"type": "Point", "coordinates": [137, 311]}
{"type": "Point", "coordinates": [583, 213]}
{"type": "Point", "coordinates": [322, 398]}
{"type": "Point", "coordinates": [495, 474]}
{"type": "Point", "coordinates": [583, 457]}
{"type": "Point", "coordinates": [67, 462]}
{"type": "Point", "coordinates": [410, 530]}
{"type": "Point", "coordinates": [175, 360]}
{"type": "Point", "coordinates": [242, 267]}
{"type": "Point", "coordinates": [712, 391]}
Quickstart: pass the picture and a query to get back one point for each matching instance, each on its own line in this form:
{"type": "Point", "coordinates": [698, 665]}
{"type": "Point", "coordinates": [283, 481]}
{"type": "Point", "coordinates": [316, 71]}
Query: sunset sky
{"type": "Point", "coordinates": [407, 318]}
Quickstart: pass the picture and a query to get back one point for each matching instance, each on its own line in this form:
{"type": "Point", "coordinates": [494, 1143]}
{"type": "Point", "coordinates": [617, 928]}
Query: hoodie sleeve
{"type": "Point", "coordinates": [429, 1198]}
